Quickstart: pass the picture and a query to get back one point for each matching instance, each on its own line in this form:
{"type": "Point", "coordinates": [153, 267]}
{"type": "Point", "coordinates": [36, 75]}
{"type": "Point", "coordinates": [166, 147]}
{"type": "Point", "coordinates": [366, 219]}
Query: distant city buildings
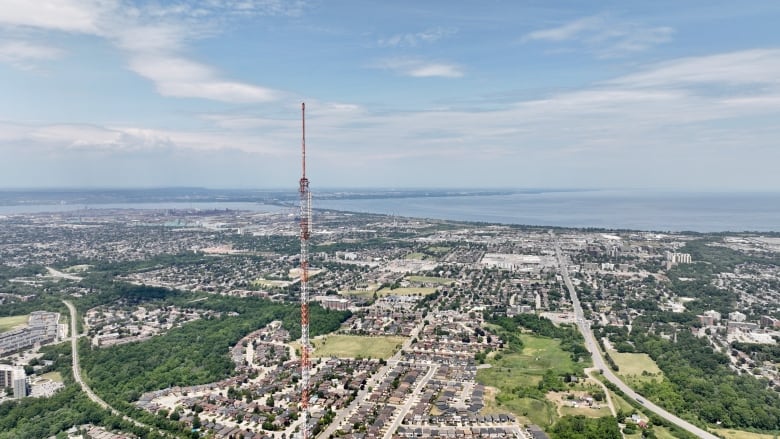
{"type": "Point", "coordinates": [737, 316]}
{"type": "Point", "coordinates": [709, 318]}
{"type": "Point", "coordinates": [42, 327]}
{"type": "Point", "coordinates": [673, 259]}
{"type": "Point", "coordinates": [767, 321]}
{"type": "Point", "coordinates": [333, 302]}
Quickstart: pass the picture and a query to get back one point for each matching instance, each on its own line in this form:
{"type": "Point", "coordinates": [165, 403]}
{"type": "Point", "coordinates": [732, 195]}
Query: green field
{"type": "Point", "coordinates": [53, 376]}
{"type": "Point", "coordinates": [539, 354]}
{"type": "Point", "coordinates": [363, 294]}
{"type": "Point", "coordinates": [429, 279]}
{"type": "Point", "coordinates": [620, 403]}
{"type": "Point", "coordinates": [353, 346]}
{"type": "Point", "coordinates": [9, 323]}
{"type": "Point", "coordinates": [271, 283]}
{"type": "Point", "coordinates": [660, 433]}
{"type": "Point", "coordinates": [632, 366]}
{"type": "Point", "coordinates": [585, 411]}
{"type": "Point", "coordinates": [526, 368]}
{"type": "Point", "coordinates": [438, 250]}
{"type": "Point", "coordinates": [537, 412]}
{"type": "Point", "coordinates": [415, 256]}
{"type": "Point", "coordinates": [737, 434]}
{"type": "Point", "coordinates": [411, 291]}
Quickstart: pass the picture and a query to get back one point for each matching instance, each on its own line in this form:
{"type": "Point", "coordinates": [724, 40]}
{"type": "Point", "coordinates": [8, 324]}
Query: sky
{"type": "Point", "coordinates": [486, 94]}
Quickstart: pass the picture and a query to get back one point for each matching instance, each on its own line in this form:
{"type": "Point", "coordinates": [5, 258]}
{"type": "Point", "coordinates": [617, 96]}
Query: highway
{"type": "Point", "coordinates": [599, 363]}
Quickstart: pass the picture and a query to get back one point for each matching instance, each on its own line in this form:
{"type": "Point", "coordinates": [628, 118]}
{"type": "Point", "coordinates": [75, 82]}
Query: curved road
{"type": "Point", "coordinates": [599, 363]}
{"type": "Point", "coordinates": [74, 340]}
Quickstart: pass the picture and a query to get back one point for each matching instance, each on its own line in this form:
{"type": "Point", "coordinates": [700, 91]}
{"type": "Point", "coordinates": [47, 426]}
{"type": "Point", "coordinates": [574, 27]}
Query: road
{"type": "Point", "coordinates": [74, 340]}
{"type": "Point", "coordinates": [599, 363]}
{"type": "Point", "coordinates": [410, 400]}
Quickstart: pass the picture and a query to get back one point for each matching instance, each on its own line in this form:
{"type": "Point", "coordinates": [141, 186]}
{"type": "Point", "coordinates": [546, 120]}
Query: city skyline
{"type": "Point", "coordinates": [543, 94]}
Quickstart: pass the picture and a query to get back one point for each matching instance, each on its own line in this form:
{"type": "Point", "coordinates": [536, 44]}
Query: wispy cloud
{"type": "Point", "coordinates": [153, 37]}
{"type": "Point", "coordinates": [63, 15]}
{"type": "Point", "coordinates": [24, 55]}
{"type": "Point", "coordinates": [197, 9]}
{"type": "Point", "coordinates": [419, 68]}
{"type": "Point", "coordinates": [566, 31]}
{"type": "Point", "coordinates": [756, 66]}
{"type": "Point", "coordinates": [416, 38]}
{"type": "Point", "coordinates": [604, 36]}
{"type": "Point", "coordinates": [179, 77]}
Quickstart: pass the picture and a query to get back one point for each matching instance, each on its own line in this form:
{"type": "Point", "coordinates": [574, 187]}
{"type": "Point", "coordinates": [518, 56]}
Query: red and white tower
{"type": "Point", "coordinates": [305, 235]}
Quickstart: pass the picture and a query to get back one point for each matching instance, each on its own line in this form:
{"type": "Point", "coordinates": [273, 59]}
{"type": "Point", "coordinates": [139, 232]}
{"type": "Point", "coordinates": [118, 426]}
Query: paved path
{"type": "Point", "coordinates": [599, 363]}
{"type": "Point", "coordinates": [74, 340]}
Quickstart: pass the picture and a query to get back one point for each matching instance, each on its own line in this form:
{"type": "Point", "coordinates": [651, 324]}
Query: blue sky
{"type": "Point", "coordinates": [613, 94]}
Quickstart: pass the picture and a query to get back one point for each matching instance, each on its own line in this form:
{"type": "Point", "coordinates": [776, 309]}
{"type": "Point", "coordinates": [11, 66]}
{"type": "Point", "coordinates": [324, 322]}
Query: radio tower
{"type": "Point", "coordinates": [305, 234]}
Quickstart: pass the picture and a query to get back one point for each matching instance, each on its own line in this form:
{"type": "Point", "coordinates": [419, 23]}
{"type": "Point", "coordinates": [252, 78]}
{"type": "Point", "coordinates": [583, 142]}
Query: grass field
{"type": "Point", "coordinates": [363, 294]}
{"type": "Point", "coordinates": [526, 368]}
{"type": "Point", "coordinates": [565, 406]}
{"type": "Point", "coordinates": [539, 354]}
{"type": "Point", "coordinates": [430, 279]}
{"type": "Point", "coordinates": [536, 412]}
{"type": "Point", "coordinates": [415, 256]}
{"type": "Point", "coordinates": [438, 250]}
{"type": "Point", "coordinates": [54, 376]}
{"type": "Point", "coordinates": [633, 365]}
{"type": "Point", "coordinates": [271, 283]}
{"type": "Point", "coordinates": [620, 403]}
{"type": "Point", "coordinates": [585, 411]}
{"type": "Point", "coordinates": [411, 291]}
{"type": "Point", "coordinates": [9, 323]}
{"type": "Point", "coordinates": [660, 433]}
{"type": "Point", "coordinates": [352, 346]}
{"type": "Point", "coordinates": [736, 434]}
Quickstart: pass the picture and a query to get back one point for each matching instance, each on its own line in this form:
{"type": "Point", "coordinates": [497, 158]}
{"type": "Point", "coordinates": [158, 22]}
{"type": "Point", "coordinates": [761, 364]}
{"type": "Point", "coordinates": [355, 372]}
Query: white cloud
{"type": "Point", "coordinates": [604, 36]}
{"type": "Point", "coordinates": [566, 31]}
{"type": "Point", "coordinates": [414, 39]}
{"type": "Point", "coordinates": [420, 68]}
{"type": "Point", "coordinates": [153, 37]}
{"type": "Point", "coordinates": [24, 55]}
{"type": "Point", "coordinates": [63, 15]}
{"type": "Point", "coordinates": [757, 66]}
{"type": "Point", "coordinates": [179, 77]}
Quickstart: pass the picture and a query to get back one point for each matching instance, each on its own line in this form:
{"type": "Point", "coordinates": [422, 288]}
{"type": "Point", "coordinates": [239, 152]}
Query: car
{"type": "Point", "coordinates": [640, 400]}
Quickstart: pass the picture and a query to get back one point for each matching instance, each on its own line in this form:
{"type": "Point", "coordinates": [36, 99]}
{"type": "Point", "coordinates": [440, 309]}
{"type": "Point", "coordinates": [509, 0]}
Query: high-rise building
{"type": "Point", "coordinates": [15, 378]}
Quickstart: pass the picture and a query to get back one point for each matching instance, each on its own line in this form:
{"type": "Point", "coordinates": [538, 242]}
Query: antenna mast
{"type": "Point", "coordinates": [305, 195]}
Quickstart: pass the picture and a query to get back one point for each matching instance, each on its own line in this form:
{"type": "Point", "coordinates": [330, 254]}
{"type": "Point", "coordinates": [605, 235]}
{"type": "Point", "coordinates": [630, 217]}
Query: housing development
{"type": "Point", "coordinates": [185, 323]}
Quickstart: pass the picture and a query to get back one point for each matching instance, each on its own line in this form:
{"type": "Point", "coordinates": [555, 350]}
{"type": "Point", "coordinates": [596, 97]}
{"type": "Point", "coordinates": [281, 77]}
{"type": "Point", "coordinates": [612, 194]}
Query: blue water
{"type": "Point", "coordinates": [637, 210]}
{"type": "Point", "coordinates": [56, 208]}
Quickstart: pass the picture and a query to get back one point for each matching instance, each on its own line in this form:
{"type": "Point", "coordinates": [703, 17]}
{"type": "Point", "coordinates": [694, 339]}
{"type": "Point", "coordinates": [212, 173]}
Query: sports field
{"type": "Point", "coordinates": [353, 346]}
{"type": "Point", "coordinates": [9, 323]}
